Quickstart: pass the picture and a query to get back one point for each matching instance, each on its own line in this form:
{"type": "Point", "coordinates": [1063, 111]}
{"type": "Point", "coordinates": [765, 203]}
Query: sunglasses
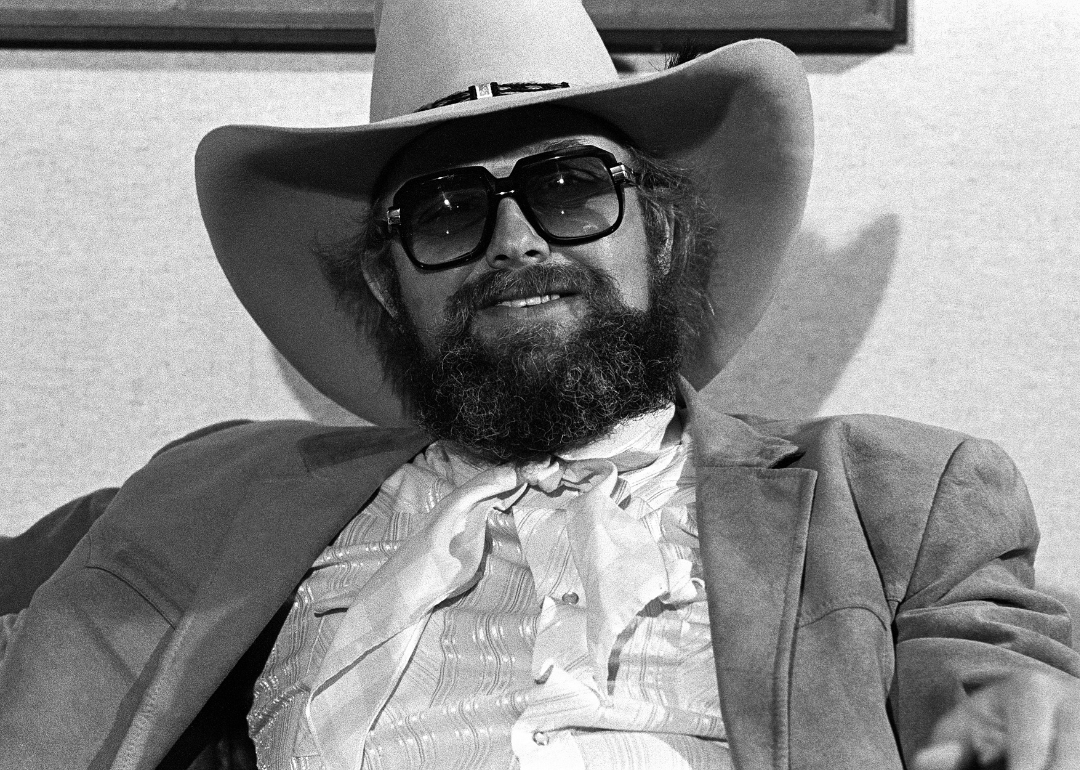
{"type": "Point", "coordinates": [447, 218]}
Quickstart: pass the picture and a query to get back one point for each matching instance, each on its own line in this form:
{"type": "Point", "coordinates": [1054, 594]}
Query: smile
{"type": "Point", "coordinates": [528, 301]}
{"type": "Point", "coordinates": [556, 306]}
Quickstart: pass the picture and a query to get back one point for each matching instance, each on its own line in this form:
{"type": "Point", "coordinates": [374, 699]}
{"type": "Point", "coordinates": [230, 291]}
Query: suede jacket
{"type": "Point", "coordinates": [864, 575]}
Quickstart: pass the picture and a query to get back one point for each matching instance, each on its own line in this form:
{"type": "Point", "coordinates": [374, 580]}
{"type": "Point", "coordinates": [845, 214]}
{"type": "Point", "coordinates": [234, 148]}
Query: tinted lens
{"type": "Point", "coordinates": [443, 219]}
{"type": "Point", "coordinates": [573, 197]}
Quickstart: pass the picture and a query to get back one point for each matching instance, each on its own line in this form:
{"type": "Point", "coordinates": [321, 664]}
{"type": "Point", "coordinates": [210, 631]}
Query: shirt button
{"type": "Point", "coordinates": [570, 598]}
{"type": "Point", "coordinates": [540, 738]}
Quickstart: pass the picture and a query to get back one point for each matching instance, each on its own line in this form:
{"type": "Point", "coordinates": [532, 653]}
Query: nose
{"type": "Point", "coordinates": [514, 241]}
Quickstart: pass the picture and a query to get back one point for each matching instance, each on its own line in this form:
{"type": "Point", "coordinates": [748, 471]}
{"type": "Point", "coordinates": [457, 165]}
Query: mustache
{"type": "Point", "coordinates": [531, 281]}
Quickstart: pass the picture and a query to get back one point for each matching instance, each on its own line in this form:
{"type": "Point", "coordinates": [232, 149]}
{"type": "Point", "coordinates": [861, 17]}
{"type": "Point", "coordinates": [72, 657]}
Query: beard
{"type": "Point", "coordinates": [538, 390]}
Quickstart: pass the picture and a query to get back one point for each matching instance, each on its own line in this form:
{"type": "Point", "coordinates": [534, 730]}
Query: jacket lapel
{"type": "Point", "coordinates": [752, 520]}
{"type": "Point", "coordinates": [283, 524]}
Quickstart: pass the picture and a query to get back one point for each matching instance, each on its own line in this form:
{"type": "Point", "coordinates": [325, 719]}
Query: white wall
{"type": "Point", "coordinates": [935, 279]}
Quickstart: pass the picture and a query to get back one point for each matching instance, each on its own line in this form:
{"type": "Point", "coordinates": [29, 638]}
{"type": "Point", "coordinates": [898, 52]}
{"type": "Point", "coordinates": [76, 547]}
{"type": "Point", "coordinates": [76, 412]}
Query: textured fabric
{"type": "Point", "coordinates": [29, 558]}
{"type": "Point", "coordinates": [863, 574]}
{"type": "Point", "coordinates": [9, 625]}
{"type": "Point", "coordinates": [477, 659]}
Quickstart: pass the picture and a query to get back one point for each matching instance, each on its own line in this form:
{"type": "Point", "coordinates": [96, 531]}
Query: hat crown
{"type": "Point", "coordinates": [429, 49]}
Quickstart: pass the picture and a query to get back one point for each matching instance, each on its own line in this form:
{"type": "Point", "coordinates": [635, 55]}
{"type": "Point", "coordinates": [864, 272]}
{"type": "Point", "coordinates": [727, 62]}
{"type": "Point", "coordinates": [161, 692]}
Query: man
{"type": "Point", "coordinates": [577, 561]}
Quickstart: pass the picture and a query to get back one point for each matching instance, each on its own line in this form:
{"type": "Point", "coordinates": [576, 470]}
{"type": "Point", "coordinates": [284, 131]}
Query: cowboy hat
{"type": "Point", "coordinates": [738, 120]}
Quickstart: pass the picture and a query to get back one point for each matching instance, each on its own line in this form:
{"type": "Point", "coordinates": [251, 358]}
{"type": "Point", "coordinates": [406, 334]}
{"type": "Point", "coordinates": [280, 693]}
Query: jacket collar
{"type": "Point", "coordinates": [723, 440]}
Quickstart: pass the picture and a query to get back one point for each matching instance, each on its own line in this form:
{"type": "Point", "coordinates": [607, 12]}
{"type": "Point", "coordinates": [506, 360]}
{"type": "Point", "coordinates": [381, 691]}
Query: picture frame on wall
{"type": "Point", "coordinates": [640, 25]}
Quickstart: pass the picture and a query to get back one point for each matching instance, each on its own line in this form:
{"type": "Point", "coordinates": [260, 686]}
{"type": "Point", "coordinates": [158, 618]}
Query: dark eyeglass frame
{"type": "Point", "coordinates": [501, 187]}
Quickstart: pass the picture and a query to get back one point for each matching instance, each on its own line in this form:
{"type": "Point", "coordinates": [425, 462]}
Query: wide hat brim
{"type": "Point", "coordinates": [738, 120]}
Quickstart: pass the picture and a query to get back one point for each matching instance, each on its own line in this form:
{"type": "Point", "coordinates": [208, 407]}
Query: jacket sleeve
{"type": "Point", "coordinates": [971, 615]}
{"type": "Point", "coordinates": [86, 640]}
{"type": "Point", "coordinates": [27, 560]}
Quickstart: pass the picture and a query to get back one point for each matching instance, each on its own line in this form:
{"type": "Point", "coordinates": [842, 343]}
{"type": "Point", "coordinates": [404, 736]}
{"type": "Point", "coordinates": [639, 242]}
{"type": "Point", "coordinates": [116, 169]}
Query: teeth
{"type": "Point", "coordinates": [529, 301]}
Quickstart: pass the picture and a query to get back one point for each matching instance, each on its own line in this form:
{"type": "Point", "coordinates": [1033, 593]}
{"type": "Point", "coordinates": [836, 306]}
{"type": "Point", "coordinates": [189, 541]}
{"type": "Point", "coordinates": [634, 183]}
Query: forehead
{"type": "Point", "coordinates": [498, 141]}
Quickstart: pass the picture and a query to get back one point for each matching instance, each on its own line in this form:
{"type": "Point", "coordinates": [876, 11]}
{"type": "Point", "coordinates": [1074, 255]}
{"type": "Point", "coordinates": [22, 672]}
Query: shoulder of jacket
{"type": "Point", "coordinates": [887, 464]}
{"type": "Point", "coordinates": [243, 435]}
{"type": "Point", "coordinates": [170, 517]}
{"type": "Point", "coordinates": [211, 469]}
{"type": "Point", "coordinates": [890, 444]}
{"type": "Point", "coordinates": [895, 471]}
{"type": "Point", "coordinates": [286, 446]}
{"type": "Point", "coordinates": [891, 475]}
{"type": "Point", "coordinates": [205, 473]}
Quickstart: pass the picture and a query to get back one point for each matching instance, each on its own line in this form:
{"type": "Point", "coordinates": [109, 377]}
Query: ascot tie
{"type": "Point", "coordinates": [617, 559]}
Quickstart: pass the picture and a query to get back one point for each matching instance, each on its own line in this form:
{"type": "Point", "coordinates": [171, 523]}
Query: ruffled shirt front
{"type": "Point", "coordinates": [549, 615]}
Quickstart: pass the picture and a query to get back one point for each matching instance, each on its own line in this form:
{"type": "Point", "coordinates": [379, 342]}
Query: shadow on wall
{"type": "Point", "coordinates": [822, 310]}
